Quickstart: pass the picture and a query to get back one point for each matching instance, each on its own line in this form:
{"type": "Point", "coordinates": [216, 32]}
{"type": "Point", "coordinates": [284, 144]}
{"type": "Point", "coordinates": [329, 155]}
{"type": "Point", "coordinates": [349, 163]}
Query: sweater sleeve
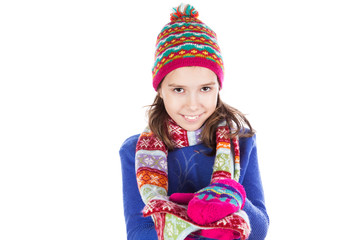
{"type": "Point", "coordinates": [137, 226]}
{"type": "Point", "coordinates": [251, 180]}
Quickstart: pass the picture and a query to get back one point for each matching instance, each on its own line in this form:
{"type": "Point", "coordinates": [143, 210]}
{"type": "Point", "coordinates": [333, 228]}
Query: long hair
{"type": "Point", "coordinates": [236, 120]}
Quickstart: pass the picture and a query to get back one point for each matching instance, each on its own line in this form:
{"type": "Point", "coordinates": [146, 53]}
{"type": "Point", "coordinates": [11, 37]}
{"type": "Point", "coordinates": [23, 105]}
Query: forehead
{"type": "Point", "coordinates": [190, 76]}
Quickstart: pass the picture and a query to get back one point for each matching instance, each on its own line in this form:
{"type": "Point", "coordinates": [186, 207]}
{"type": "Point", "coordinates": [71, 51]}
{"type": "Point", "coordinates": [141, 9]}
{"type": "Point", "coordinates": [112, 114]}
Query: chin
{"type": "Point", "coordinates": [191, 129]}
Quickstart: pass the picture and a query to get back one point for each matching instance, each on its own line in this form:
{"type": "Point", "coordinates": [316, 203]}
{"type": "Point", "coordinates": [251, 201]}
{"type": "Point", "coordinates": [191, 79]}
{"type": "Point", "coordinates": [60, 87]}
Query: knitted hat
{"type": "Point", "coordinates": [184, 42]}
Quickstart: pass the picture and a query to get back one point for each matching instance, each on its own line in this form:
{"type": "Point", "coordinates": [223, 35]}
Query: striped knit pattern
{"type": "Point", "coordinates": [171, 220]}
{"type": "Point", "coordinates": [186, 41]}
{"type": "Point", "coordinates": [222, 192]}
{"type": "Point", "coordinates": [151, 158]}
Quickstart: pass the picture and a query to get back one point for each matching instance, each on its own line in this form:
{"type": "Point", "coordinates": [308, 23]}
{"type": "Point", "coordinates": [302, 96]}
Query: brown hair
{"type": "Point", "coordinates": [234, 118]}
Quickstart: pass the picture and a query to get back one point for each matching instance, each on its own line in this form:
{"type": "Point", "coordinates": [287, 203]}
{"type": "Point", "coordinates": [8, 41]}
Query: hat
{"type": "Point", "coordinates": [186, 41]}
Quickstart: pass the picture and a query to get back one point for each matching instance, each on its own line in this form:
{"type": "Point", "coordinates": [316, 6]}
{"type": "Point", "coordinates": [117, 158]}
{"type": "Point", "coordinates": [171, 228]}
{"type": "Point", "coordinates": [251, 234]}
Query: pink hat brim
{"type": "Point", "coordinates": [188, 62]}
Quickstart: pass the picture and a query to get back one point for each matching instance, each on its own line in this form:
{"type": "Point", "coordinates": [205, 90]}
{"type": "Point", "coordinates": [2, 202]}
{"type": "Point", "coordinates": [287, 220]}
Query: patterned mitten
{"type": "Point", "coordinates": [216, 201]}
{"type": "Point", "coordinates": [221, 234]}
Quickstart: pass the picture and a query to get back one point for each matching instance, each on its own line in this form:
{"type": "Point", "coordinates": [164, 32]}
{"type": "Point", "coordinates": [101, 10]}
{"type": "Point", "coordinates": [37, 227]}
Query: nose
{"type": "Point", "coordinates": [193, 102]}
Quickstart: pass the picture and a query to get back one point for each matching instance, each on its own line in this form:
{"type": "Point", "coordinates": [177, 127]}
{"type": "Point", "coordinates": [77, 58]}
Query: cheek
{"type": "Point", "coordinates": [171, 105]}
{"type": "Point", "coordinates": [212, 101]}
{"type": "Point", "coordinates": [214, 105]}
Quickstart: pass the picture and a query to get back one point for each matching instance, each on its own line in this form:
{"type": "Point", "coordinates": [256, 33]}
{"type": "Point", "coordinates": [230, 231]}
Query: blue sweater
{"type": "Point", "coordinates": [189, 170]}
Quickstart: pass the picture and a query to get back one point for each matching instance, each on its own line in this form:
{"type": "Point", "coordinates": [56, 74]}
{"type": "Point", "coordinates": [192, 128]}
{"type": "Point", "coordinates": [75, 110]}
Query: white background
{"type": "Point", "coordinates": [76, 75]}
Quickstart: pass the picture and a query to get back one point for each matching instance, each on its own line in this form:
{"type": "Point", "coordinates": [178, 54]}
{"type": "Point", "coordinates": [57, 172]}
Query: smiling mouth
{"type": "Point", "coordinates": [191, 118]}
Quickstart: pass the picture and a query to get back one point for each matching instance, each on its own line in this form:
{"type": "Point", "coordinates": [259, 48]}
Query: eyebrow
{"type": "Point", "coordinates": [182, 86]}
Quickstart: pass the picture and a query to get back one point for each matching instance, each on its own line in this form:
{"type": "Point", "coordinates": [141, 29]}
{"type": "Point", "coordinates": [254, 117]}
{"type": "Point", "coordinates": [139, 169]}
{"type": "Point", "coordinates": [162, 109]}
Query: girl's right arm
{"type": "Point", "coordinates": [137, 226]}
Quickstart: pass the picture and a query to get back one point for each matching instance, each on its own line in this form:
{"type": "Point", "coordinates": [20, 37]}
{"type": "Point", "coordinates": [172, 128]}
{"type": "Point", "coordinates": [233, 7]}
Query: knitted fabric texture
{"type": "Point", "coordinates": [171, 220]}
{"type": "Point", "coordinates": [216, 201]}
{"type": "Point", "coordinates": [225, 191]}
{"type": "Point", "coordinates": [151, 158]}
{"type": "Point", "coordinates": [186, 41]}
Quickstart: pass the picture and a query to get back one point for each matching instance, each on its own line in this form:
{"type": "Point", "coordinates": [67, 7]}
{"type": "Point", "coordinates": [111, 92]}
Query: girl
{"type": "Point", "coordinates": [193, 173]}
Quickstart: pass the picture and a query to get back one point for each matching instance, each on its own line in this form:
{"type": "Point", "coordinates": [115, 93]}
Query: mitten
{"type": "Point", "coordinates": [216, 201]}
{"type": "Point", "coordinates": [221, 234]}
{"type": "Point", "coordinates": [181, 198]}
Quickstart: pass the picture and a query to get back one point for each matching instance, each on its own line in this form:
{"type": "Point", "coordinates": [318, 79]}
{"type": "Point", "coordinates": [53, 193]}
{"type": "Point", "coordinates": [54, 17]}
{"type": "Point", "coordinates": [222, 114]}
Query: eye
{"type": "Point", "coordinates": [205, 89]}
{"type": "Point", "coordinates": [178, 90]}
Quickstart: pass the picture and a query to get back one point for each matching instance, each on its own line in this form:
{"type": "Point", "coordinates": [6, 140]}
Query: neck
{"type": "Point", "coordinates": [182, 137]}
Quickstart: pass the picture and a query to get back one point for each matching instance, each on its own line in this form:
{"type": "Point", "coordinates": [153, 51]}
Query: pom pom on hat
{"type": "Point", "coordinates": [183, 11]}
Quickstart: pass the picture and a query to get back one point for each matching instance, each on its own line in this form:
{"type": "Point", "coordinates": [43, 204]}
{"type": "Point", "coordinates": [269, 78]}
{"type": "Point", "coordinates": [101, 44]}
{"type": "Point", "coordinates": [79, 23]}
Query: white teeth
{"type": "Point", "coordinates": [191, 117]}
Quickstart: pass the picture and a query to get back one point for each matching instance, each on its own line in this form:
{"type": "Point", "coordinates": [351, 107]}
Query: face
{"type": "Point", "coordinates": [190, 96]}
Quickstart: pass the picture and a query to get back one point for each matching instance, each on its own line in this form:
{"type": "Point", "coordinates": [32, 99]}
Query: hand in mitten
{"type": "Point", "coordinates": [181, 198]}
{"type": "Point", "coordinates": [221, 234]}
{"type": "Point", "coordinates": [216, 201]}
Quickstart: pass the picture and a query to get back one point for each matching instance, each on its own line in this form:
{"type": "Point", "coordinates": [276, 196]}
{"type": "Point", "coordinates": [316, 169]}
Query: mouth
{"type": "Point", "coordinates": [191, 118]}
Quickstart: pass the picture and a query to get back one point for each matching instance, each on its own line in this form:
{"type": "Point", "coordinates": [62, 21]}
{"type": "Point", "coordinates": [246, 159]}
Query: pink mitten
{"type": "Point", "coordinates": [181, 198]}
{"type": "Point", "coordinates": [216, 201]}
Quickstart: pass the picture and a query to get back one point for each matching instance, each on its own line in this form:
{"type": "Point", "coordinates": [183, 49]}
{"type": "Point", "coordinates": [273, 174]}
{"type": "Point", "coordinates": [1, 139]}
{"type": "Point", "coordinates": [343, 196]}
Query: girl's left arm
{"type": "Point", "coordinates": [137, 226]}
{"type": "Point", "coordinates": [251, 180]}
